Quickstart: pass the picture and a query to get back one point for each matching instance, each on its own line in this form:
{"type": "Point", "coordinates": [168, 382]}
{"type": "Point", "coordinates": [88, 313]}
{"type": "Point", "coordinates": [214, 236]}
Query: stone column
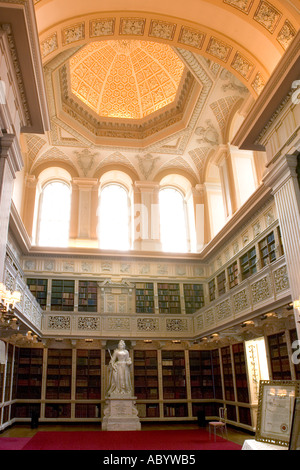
{"type": "Point", "coordinates": [146, 216]}
{"type": "Point", "coordinates": [283, 179]}
{"type": "Point", "coordinates": [10, 162]}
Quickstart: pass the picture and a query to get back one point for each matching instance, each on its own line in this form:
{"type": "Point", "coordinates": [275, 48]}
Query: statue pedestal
{"type": "Point", "coordinates": [120, 414]}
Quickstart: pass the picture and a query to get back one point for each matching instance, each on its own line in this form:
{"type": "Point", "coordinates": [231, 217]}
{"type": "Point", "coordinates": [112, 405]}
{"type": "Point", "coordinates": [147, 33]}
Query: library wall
{"type": "Point", "coordinates": [66, 381]}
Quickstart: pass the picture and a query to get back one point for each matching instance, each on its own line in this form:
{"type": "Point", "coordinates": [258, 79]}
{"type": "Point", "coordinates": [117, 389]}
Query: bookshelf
{"type": "Point", "coordinates": [9, 367]}
{"type": "Point", "coordinates": [59, 374]}
{"type": "Point", "coordinates": [240, 372]}
{"type": "Point", "coordinates": [248, 263]}
{"type": "Point", "coordinates": [168, 298]}
{"type": "Point", "coordinates": [38, 288]}
{"type": "Point", "coordinates": [279, 357]}
{"type": "Point", "coordinates": [87, 296]}
{"type": "Point", "coordinates": [87, 410]}
{"type": "Point", "coordinates": [29, 373]}
{"type": "Point", "coordinates": [26, 410]}
{"type": "Point", "coordinates": [193, 297]}
{"type": "Point", "coordinates": [88, 374]}
{"type": "Point", "coordinates": [144, 297]}
{"type": "Point", "coordinates": [201, 375]}
{"type": "Point", "coordinates": [62, 295]}
{"type": "Point", "coordinates": [57, 410]}
{"type": "Point", "coordinates": [216, 374]}
{"type": "Point", "coordinates": [173, 375]}
{"type": "Point", "coordinates": [221, 282]}
{"type": "Point", "coordinates": [227, 373]}
{"type": "Point", "coordinates": [175, 410]}
{"type": "Point", "coordinates": [212, 290]}
{"type": "Point", "coordinates": [244, 415]}
{"type": "Point", "coordinates": [232, 272]}
{"type": "Point", "coordinates": [146, 375]}
{"type": "Point", "coordinates": [267, 249]}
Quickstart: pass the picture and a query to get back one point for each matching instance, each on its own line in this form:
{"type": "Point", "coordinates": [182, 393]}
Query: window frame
{"type": "Point", "coordinates": [40, 206]}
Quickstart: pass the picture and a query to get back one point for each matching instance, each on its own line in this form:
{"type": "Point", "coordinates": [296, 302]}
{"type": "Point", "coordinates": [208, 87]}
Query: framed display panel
{"type": "Point", "coordinates": [294, 443]}
{"type": "Point", "coordinates": [275, 411]}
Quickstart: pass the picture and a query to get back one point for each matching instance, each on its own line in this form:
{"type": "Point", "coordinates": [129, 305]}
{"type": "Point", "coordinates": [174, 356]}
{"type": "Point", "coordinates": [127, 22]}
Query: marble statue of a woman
{"type": "Point", "coordinates": [119, 372]}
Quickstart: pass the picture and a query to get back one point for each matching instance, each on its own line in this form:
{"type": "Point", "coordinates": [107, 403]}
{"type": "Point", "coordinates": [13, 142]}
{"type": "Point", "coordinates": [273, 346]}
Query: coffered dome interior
{"type": "Point", "coordinates": [128, 79]}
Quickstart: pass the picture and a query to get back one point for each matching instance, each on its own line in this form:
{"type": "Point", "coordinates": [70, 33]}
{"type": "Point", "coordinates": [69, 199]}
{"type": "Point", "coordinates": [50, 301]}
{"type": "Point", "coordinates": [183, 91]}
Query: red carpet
{"type": "Point", "coordinates": [129, 440]}
{"type": "Point", "coordinates": [13, 443]}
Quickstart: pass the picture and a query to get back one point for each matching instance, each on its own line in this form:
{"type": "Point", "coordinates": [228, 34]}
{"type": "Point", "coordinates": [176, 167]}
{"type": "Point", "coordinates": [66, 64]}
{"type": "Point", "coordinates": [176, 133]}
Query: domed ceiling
{"type": "Point", "coordinates": [125, 79]}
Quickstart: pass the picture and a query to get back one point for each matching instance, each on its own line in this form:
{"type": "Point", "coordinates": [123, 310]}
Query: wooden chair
{"type": "Point", "coordinates": [220, 424]}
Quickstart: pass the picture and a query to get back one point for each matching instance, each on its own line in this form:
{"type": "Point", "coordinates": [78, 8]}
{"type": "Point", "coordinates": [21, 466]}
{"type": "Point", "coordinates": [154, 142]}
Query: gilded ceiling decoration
{"type": "Point", "coordinates": [125, 79]}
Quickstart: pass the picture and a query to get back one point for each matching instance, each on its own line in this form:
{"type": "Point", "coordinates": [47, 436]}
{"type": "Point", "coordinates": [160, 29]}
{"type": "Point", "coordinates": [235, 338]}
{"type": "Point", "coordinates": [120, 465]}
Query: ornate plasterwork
{"type": "Point", "coordinates": [113, 128]}
{"type": "Point", "coordinates": [125, 79]}
{"type": "Point", "coordinates": [202, 40]}
{"type": "Point", "coordinates": [261, 290]}
{"type": "Point", "coordinates": [267, 15]}
{"type": "Point", "coordinates": [59, 322]}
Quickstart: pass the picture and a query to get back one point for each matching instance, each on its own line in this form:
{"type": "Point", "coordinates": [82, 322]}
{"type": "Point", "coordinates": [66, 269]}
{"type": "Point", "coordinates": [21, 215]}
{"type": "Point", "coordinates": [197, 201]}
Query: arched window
{"type": "Point", "coordinates": [173, 227]}
{"type": "Point", "coordinates": [54, 216]}
{"type": "Point", "coordinates": [113, 229]}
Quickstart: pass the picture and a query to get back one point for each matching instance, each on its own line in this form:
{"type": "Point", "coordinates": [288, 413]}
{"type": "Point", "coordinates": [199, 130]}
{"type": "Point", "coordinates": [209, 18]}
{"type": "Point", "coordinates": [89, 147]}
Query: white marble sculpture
{"type": "Point", "coordinates": [120, 412]}
{"type": "Point", "coordinates": [119, 382]}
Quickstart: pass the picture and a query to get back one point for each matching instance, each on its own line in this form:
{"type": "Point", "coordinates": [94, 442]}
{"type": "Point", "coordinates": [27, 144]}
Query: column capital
{"type": "Point", "coordinates": [147, 186]}
{"type": "Point", "coordinates": [85, 183]}
{"type": "Point", "coordinates": [280, 172]}
{"type": "Point", "coordinates": [10, 149]}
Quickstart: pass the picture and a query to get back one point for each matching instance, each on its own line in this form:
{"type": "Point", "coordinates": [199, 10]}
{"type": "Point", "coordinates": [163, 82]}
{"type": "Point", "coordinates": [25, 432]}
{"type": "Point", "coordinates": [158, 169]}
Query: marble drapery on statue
{"type": "Point", "coordinates": [119, 380]}
{"type": "Point", "coordinates": [120, 412]}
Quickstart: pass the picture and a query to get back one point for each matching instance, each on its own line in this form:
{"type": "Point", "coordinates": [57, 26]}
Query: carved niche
{"type": "Point", "coordinates": [117, 297]}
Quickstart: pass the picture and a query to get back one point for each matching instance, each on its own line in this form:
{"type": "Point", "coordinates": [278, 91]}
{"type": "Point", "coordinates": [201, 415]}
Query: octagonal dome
{"type": "Point", "coordinates": [125, 79]}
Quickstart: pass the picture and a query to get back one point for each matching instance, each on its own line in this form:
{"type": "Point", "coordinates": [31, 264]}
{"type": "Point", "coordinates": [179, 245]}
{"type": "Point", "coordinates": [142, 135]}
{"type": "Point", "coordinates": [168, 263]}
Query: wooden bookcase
{"type": "Point", "coordinates": [212, 290]}
{"type": "Point", "coordinates": [29, 373]}
{"type": "Point", "coordinates": [144, 297]}
{"type": "Point", "coordinates": [38, 288]}
{"type": "Point", "coordinates": [62, 295]}
{"type": "Point", "coordinates": [9, 374]}
{"type": "Point", "coordinates": [173, 375]}
{"type": "Point", "coordinates": [193, 297]}
{"type": "Point", "coordinates": [232, 273]}
{"type": "Point", "coordinates": [59, 374]}
{"type": "Point", "coordinates": [248, 263]}
{"type": "Point", "coordinates": [88, 374]}
{"type": "Point", "coordinates": [216, 374]}
{"type": "Point", "coordinates": [240, 369]}
{"type": "Point", "coordinates": [169, 298]}
{"type": "Point", "coordinates": [221, 282]}
{"type": "Point", "coordinates": [87, 296]}
{"type": "Point", "coordinates": [146, 375]}
{"type": "Point", "coordinates": [201, 377]}
{"type": "Point", "coordinates": [279, 357]}
{"type": "Point", "coordinates": [267, 249]}
{"type": "Point", "coordinates": [227, 374]}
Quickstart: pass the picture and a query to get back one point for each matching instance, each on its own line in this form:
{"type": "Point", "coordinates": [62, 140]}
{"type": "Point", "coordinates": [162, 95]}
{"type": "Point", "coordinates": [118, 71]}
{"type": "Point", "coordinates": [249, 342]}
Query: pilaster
{"type": "Point", "coordinates": [10, 162]}
{"type": "Point", "coordinates": [146, 216]}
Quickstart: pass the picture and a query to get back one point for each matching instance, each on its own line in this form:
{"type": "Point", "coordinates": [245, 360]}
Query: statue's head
{"type": "Point", "coordinates": [121, 344]}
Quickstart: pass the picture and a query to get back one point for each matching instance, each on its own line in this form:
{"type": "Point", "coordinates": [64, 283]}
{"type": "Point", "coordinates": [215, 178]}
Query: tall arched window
{"type": "Point", "coordinates": [173, 226]}
{"type": "Point", "coordinates": [54, 216]}
{"type": "Point", "coordinates": [113, 228]}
